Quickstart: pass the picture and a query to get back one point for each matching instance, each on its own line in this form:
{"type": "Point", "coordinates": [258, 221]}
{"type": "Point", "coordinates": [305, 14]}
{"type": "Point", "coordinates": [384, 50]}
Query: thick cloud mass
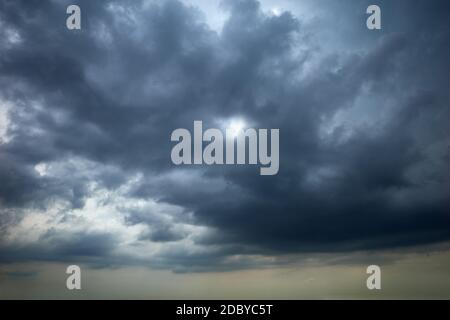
{"type": "Point", "coordinates": [86, 118]}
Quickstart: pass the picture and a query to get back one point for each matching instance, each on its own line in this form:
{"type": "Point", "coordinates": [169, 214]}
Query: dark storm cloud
{"type": "Point", "coordinates": [364, 134]}
{"type": "Point", "coordinates": [54, 246]}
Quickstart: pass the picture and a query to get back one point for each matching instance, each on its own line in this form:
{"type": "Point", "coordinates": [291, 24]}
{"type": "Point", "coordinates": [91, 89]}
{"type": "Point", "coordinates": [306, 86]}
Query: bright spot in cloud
{"type": "Point", "coordinates": [276, 11]}
{"type": "Point", "coordinates": [41, 168]}
{"type": "Point", "coordinates": [13, 36]}
{"type": "Point", "coordinates": [236, 126]}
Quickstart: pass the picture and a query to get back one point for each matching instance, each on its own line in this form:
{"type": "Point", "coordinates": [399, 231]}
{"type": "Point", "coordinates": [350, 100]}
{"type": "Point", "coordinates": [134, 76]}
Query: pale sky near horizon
{"type": "Point", "coordinates": [406, 276]}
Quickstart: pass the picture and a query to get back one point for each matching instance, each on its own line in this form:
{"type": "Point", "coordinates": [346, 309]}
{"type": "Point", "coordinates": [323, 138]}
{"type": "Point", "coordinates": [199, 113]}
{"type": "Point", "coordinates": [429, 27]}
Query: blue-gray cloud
{"type": "Point", "coordinates": [364, 143]}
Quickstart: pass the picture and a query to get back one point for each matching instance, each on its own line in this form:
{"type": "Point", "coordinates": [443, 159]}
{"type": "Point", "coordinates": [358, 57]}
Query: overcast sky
{"type": "Point", "coordinates": [86, 117]}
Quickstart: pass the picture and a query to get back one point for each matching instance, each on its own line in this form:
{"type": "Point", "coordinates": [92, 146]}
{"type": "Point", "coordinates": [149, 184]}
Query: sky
{"type": "Point", "coordinates": [86, 176]}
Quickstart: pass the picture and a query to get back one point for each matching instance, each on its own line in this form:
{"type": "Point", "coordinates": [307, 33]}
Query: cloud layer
{"type": "Point", "coordinates": [86, 117]}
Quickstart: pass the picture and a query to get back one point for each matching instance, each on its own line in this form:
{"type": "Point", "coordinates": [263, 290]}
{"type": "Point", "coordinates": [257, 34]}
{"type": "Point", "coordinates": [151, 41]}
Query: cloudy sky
{"type": "Point", "coordinates": [86, 176]}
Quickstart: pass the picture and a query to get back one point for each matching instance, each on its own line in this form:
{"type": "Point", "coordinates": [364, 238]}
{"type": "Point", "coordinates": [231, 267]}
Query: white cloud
{"type": "Point", "coordinates": [105, 211]}
{"type": "Point", "coordinates": [5, 122]}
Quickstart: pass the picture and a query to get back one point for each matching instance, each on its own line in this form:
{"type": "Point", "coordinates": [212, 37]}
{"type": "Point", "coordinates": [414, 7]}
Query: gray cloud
{"type": "Point", "coordinates": [364, 143]}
